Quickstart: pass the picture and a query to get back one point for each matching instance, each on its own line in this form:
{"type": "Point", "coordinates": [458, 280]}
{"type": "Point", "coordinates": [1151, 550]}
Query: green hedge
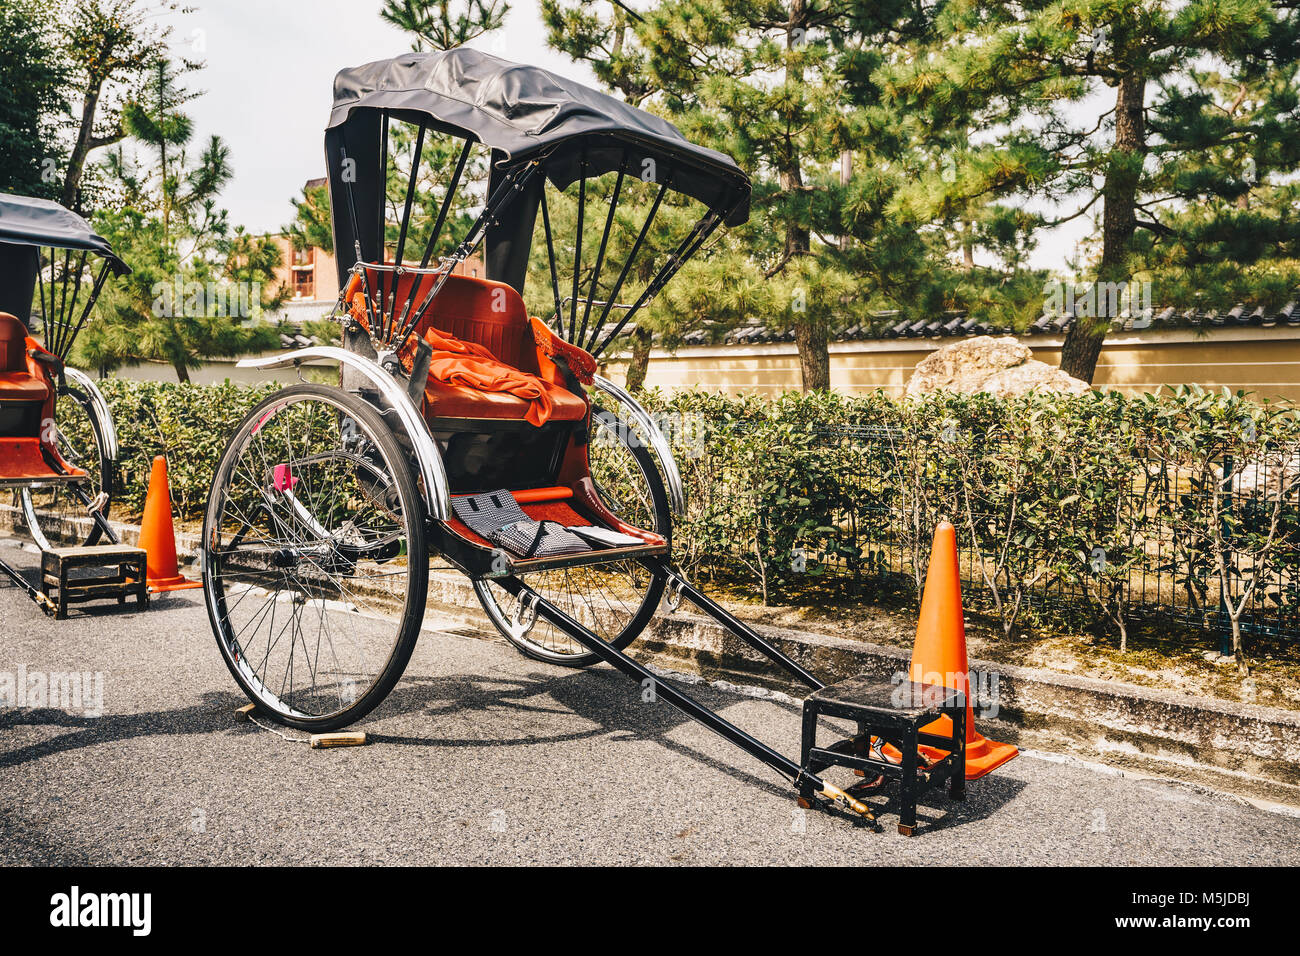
{"type": "Point", "coordinates": [1100, 505]}
{"type": "Point", "coordinates": [1096, 507]}
{"type": "Point", "coordinates": [190, 424]}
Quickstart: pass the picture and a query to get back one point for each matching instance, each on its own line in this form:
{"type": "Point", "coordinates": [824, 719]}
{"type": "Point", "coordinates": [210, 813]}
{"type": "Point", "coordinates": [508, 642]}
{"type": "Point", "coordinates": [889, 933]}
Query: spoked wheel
{"type": "Point", "coordinates": [615, 601]}
{"type": "Point", "coordinates": [314, 562]}
{"type": "Point", "coordinates": [57, 513]}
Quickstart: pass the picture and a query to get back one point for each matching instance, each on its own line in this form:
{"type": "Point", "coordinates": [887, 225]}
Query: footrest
{"type": "Point", "coordinates": [24, 464]}
{"type": "Point", "coordinates": [74, 575]}
{"type": "Point", "coordinates": [905, 715]}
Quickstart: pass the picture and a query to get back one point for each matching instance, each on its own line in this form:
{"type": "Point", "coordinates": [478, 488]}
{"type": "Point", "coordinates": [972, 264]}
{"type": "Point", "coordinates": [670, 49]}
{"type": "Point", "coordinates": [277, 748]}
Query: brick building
{"type": "Point", "coordinates": [311, 275]}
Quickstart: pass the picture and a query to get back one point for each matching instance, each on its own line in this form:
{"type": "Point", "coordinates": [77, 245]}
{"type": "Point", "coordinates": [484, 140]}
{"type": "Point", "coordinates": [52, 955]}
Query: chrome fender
{"type": "Point", "coordinates": [99, 406]}
{"type": "Point", "coordinates": [658, 443]}
{"type": "Point", "coordinates": [437, 494]}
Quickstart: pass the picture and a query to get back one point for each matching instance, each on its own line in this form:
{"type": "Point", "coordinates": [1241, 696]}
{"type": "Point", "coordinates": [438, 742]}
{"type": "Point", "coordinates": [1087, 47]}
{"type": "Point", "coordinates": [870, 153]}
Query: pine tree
{"type": "Point", "coordinates": [1241, 243]}
{"type": "Point", "coordinates": [110, 46]}
{"type": "Point", "coordinates": [607, 43]}
{"type": "Point", "coordinates": [439, 156]}
{"type": "Point", "coordinates": [32, 102]}
{"type": "Point", "coordinates": [311, 227]}
{"type": "Point", "coordinates": [1102, 104]}
{"type": "Point", "coordinates": [444, 24]}
{"type": "Point", "coordinates": [721, 287]}
{"type": "Point", "coordinates": [716, 290]}
{"type": "Point", "coordinates": [785, 87]}
{"type": "Point", "coordinates": [759, 81]}
{"type": "Point", "coordinates": [433, 25]}
{"type": "Point", "coordinates": [196, 289]}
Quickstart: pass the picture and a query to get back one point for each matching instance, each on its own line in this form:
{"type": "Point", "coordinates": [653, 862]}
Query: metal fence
{"type": "Point", "coordinates": [879, 494]}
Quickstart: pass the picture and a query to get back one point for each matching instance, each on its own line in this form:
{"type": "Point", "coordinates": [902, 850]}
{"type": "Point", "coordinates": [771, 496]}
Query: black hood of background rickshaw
{"type": "Point", "coordinates": [25, 221]}
{"type": "Point", "coordinates": [520, 112]}
{"type": "Point", "coordinates": [26, 224]}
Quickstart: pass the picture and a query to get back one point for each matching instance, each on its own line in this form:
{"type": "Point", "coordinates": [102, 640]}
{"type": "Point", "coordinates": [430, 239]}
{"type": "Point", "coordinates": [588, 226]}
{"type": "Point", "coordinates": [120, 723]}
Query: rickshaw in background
{"type": "Point", "coordinates": [58, 446]}
{"type": "Point", "coordinates": [462, 429]}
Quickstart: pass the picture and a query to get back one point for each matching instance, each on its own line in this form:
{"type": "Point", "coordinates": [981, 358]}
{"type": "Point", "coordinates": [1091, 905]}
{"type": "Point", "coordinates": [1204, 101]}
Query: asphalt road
{"type": "Point", "coordinates": [482, 756]}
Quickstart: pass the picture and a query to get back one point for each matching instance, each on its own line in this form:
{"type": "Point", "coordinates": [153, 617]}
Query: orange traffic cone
{"type": "Point", "coordinates": [157, 536]}
{"type": "Point", "coordinates": [939, 654]}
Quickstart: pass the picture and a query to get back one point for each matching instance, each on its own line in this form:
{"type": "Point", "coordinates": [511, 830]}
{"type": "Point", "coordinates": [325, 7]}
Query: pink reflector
{"type": "Point", "coordinates": [284, 479]}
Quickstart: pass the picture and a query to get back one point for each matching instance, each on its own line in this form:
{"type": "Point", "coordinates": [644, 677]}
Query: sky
{"type": "Point", "coordinates": [269, 71]}
{"type": "Point", "coordinates": [270, 66]}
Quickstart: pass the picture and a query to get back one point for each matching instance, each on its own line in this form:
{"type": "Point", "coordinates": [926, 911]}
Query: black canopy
{"type": "Point", "coordinates": [26, 224]}
{"type": "Point", "coordinates": [522, 113]}
{"type": "Point", "coordinates": [25, 221]}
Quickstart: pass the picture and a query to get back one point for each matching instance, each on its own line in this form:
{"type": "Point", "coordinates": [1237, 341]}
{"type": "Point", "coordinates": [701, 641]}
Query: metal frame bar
{"type": "Point", "coordinates": [443, 209]}
{"type": "Point", "coordinates": [96, 514]}
{"type": "Point", "coordinates": [604, 242]}
{"type": "Point", "coordinates": [35, 594]}
{"type": "Point", "coordinates": [550, 255]}
{"type": "Point", "coordinates": [383, 208]}
{"type": "Point", "coordinates": [68, 336]}
{"type": "Point", "coordinates": [40, 294]}
{"type": "Point", "coordinates": [577, 247]}
{"type": "Point", "coordinates": [735, 625]}
{"type": "Point", "coordinates": [76, 290]}
{"type": "Point", "coordinates": [416, 153]}
{"type": "Point", "coordinates": [437, 492]}
{"type": "Point", "coordinates": [699, 233]}
{"type": "Point", "coordinates": [631, 257]}
{"type": "Point", "coordinates": [63, 297]}
{"type": "Point", "coordinates": [356, 240]}
{"type": "Point", "coordinates": [688, 705]}
{"type": "Point", "coordinates": [509, 188]}
{"type": "Point", "coordinates": [658, 442]}
{"type": "Point", "coordinates": [100, 406]}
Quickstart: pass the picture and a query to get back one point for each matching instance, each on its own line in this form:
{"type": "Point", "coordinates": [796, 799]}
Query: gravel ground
{"type": "Point", "coordinates": [482, 756]}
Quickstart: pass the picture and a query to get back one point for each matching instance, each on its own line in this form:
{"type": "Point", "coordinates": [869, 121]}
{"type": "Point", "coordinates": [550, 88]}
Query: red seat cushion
{"type": "Point", "coordinates": [17, 383]}
{"type": "Point", "coordinates": [486, 313]}
{"type": "Point", "coordinates": [22, 387]}
{"type": "Point", "coordinates": [460, 401]}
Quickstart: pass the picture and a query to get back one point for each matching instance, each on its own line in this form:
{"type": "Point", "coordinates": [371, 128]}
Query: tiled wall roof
{"type": "Point", "coordinates": [949, 325]}
{"type": "Point", "coordinates": [956, 324]}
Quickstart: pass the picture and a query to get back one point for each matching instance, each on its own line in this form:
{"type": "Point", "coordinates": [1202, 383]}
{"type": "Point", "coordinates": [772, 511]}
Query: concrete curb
{"type": "Point", "coordinates": [1243, 748]}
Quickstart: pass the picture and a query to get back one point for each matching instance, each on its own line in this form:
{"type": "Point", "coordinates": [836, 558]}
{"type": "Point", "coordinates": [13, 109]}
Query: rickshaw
{"type": "Point", "coordinates": [57, 442]}
{"type": "Point", "coordinates": [463, 429]}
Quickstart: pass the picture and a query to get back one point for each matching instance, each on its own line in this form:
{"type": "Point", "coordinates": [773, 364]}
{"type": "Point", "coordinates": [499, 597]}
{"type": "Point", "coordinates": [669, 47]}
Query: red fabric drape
{"type": "Point", "coordinates": [457, 362]}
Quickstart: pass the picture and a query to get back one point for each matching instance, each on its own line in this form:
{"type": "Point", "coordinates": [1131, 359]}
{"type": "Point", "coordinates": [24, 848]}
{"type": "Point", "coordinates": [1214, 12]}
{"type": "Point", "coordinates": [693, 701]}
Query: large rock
{"type": "Point", "coordinates": [1000, 366]}
{"type": "Point", "coordinates": [1274, 475]}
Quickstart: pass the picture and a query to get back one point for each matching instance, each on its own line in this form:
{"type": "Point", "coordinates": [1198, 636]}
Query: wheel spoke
{"type": "Point", "coordinates": [613, 600]}
{"type": "Point", "coordinates": [313, 516]}
{"type": "Point", "coordinates": [54, 512]}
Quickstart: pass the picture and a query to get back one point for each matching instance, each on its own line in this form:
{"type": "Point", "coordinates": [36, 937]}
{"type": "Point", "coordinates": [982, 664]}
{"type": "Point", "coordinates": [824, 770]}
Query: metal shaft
{"type": "Point", "coordinates": [688, 705]}
{"type": "Point", "coordinates": [733, 624]}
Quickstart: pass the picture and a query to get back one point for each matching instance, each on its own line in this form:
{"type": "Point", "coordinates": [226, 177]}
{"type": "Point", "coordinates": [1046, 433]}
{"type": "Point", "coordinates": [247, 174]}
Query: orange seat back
{"type": "Point", "coordinates": [482, 311]}
{"type": "Point", "coordinates": [13, 347]}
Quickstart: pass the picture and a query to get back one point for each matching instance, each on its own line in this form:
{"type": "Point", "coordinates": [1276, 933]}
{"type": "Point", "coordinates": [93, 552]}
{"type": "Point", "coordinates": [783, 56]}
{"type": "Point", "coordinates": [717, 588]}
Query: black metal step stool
{"type": "Point", "coordinates": [110, 571]}
{"type": "Point", "coordinates": [890, 713]}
